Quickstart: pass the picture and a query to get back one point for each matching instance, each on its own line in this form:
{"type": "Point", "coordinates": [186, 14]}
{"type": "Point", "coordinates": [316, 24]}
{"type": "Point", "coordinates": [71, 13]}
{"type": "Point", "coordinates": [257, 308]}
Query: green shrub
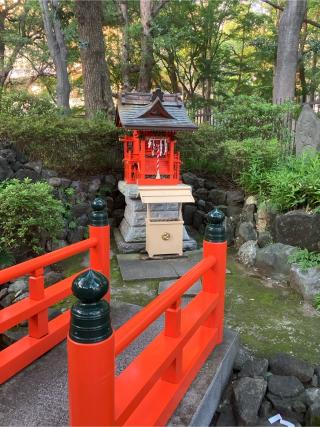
{"type": "Point", "coordinates": [29, 215]}
{"type": "Point", "coordinates": [294, 183]}
{"type": "Point", "coordinates": [201, 151]}
{"type": "Point", "coordinates": [248, 161]}
{"type": "Point", "coordinates": [305, 259]}
{"type": "Point", "coordinates": [22, 103]}
{"type": "Point", "coordinates": [69, 145]}
{"type": "Point", "coordinates": [243, 117]}
{"type": "Point", "coordinates": [317, 302]}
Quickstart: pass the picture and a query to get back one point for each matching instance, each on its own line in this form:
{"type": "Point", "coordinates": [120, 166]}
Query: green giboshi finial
{"type": "Point", "coordinates": [215, 231]}
{"type": "Point", "coordinates": [90, 316]}
{"type": "Point", "coordinates": [99, 216]}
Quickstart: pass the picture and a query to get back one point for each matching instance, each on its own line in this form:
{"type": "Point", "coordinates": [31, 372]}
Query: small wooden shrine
{"type": "Point", "coordinates": [149, 149]}
{"type": "Point", "coordinates": [152, 165]}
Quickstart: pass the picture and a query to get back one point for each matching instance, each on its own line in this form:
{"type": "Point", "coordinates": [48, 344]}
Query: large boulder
{"type": "Point", "coordinates": [285, 364]}
{"type": "Point", "coordinates": [247, 253]}
{"type": "Point", "coordinates": [190, 179]}
{"type": "Point", "coordinates": [306, 282]}
{"type": "Point", "coordinates": [254, 368]}
{"type": "Point", "coordinates": [247, 231]}
{"type": "Point", "coordinates": [292, 408]}
{"type": "Point", "coordinates": [307, 131]}
{"type": "Point", "coordinates": [248, 395]}
{"type": "Point", "coordinates": [242, 357]}
{"type": "Point", "coordinates": [272, 260]}
{"type": "Point", "coordinates": [27, 173]}
{"type": "Point", "coordinates": [9, 155]}
{"type": "Point", "coordinates": [312, 396]}
{"type": "Point", "coordinates": [235, 198]}
{"type": "Point", "coordinates": [5, 170]}
{"type": "Point", "coordinates": [298, 228]}
{"type": "Point", "coordinates": [217, 197]}
{"type": "Point", "coordinates": [285, 386]}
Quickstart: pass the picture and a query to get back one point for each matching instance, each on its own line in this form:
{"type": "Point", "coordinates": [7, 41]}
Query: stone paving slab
{"type": "Point", "coordinates": [38, 395]}
{"type": "Point", "coordinates": [133, 267]}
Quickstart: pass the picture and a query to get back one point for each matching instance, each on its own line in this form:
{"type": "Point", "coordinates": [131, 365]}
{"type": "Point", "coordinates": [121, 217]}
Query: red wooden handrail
{"type": "Point", "coordinates": [31, 265]}
{"type": "Point", "coordinates": [137, 324]}
{"type": "Point", "coordinates": [148, 390]}
{"type": "Point", "coordinates": [44, 335]}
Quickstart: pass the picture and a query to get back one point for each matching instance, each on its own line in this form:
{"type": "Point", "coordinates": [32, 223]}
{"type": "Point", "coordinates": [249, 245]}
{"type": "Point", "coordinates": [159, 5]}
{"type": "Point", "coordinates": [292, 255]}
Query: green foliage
{"type": "Point", "coordinates": [6, 258]}
{"type": "Point", "coordinates": [317, 302]}
{"type": "Point", "coordinates": [243, 117]}
{"type": "Point", "coordinates": [305, 259]}
{"type": "Point", "coordinates": [243, 139]}
{"type": "Point", "coordinates": [22, 103]}
{"type": "Point", "coordinates": [294, 183]}
{"type": "Point", "coordinates": [29, 215]}
{"type": "Point", "coordinates": [200, 151]}
{"type": "Point", "coordinates": [248, 161]}
{"type": "Point", "coordinates": [69, 145]}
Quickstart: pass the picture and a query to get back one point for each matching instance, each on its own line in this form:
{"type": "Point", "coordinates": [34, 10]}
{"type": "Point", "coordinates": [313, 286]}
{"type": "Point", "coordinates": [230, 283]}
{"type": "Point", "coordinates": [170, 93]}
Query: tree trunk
{"type": "Point", "coordinates": [125, 54]}
{"type": "Point", "coordinates": [287, 53]}
{"type": "Point", "coordinates": [57, 49]}
{"type": "Point", "coordinates": [2, 45]}
{"type": "Point", "coordinates": [96, 81]}
{"type": "Point", "coordinates": [147, 60]}
{"type": "Point", "coordinates": [3, 70]}
{"type": "Point", "coordinates": [302, 74]}
{"type": "Point", "coordinates": [172, 73]}
{"type": "Point", "coordinates": [313, 83]}
{"type": "Point", "coordinates": [148, 11]}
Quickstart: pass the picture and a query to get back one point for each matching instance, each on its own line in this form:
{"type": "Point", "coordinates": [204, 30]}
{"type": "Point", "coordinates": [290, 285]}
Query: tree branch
{"type": "Point", "coordinates": [306, 20]}
{"type": "Point", "coordinates": [157, 7]}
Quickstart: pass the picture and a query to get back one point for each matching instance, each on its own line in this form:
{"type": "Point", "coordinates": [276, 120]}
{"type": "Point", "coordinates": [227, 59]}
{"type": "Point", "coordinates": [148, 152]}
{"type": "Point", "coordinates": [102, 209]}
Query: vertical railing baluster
{"type": "Point", "coordinates": [215, 245]}
{"type": "Point", "coordinates": [99, 228]}
{"type": "Point", "coordinates": [38, 324]}
{"type": "Point", "coordinates": [172, 329]}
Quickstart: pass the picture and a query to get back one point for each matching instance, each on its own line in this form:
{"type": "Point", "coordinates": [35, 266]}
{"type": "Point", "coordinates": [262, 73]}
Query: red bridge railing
{"type": "Point", "coordinates": [147, 392]}
{"type": "Point", "coordinates": [150, 388]}
{"type": "Point", "coordinates": [42, 333]}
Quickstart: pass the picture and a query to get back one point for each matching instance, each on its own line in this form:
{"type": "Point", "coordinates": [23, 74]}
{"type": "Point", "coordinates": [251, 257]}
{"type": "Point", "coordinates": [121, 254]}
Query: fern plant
{"type": "Point", "coordinates": [305, 259]}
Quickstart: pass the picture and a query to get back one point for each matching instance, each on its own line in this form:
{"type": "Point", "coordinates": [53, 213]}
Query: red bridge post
{"type": "Point", "coordinates": [214, 280]}
{"type": "Point", "coordinates": [100, 229]}
{"type": "Point", "coordinates": [91, 354]}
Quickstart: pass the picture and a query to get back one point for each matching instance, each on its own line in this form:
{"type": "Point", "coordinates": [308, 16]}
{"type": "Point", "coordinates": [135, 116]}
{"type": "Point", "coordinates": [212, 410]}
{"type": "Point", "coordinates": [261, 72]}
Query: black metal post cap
{"type": "Point", "coordinates": [90, 316]}
{"type": "Point", "coordinates": [215, 230]}
{"type": "Point", "coordinates": [99, 216]}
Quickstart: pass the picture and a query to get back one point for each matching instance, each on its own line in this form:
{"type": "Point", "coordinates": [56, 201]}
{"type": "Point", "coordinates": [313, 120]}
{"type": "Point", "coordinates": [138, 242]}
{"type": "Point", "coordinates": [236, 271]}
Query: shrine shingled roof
{"type": "Point", "coordinates": [152, 111]}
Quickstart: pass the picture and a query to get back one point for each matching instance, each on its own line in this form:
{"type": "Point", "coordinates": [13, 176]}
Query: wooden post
{"type": "Point", "coordinates": [100, 229]}
{"type": "Point", "coordinates": [215, 245]}
{"type": "Point", "coordinates": [173, 329]}
{"type": "Point", "coordinates": [38, 324]}
{"type": "Point", "coordinates": [91, 354]}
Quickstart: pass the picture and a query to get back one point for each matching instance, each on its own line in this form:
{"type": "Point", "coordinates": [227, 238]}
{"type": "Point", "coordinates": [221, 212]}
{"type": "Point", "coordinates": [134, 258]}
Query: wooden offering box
{"type": "Point", "coordinates": [165, 236]}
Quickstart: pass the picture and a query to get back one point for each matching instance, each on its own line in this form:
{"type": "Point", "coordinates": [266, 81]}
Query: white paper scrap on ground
{"type": "Point", "coordinates": [278, 417]}
{"type": "Point", "coordinates": [274, 419]}
{"type": "Point", "coordinates": [286, 423]}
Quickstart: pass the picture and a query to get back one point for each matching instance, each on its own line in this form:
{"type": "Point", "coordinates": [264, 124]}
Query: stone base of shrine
{"type": "Point", "coordinates": [131, 235]}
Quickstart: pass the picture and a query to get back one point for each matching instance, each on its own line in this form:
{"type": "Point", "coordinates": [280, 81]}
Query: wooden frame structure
{"type": "Point", "coordinates": [151, 121]}
{"type": "Point", "coordinates": [140, 163]}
